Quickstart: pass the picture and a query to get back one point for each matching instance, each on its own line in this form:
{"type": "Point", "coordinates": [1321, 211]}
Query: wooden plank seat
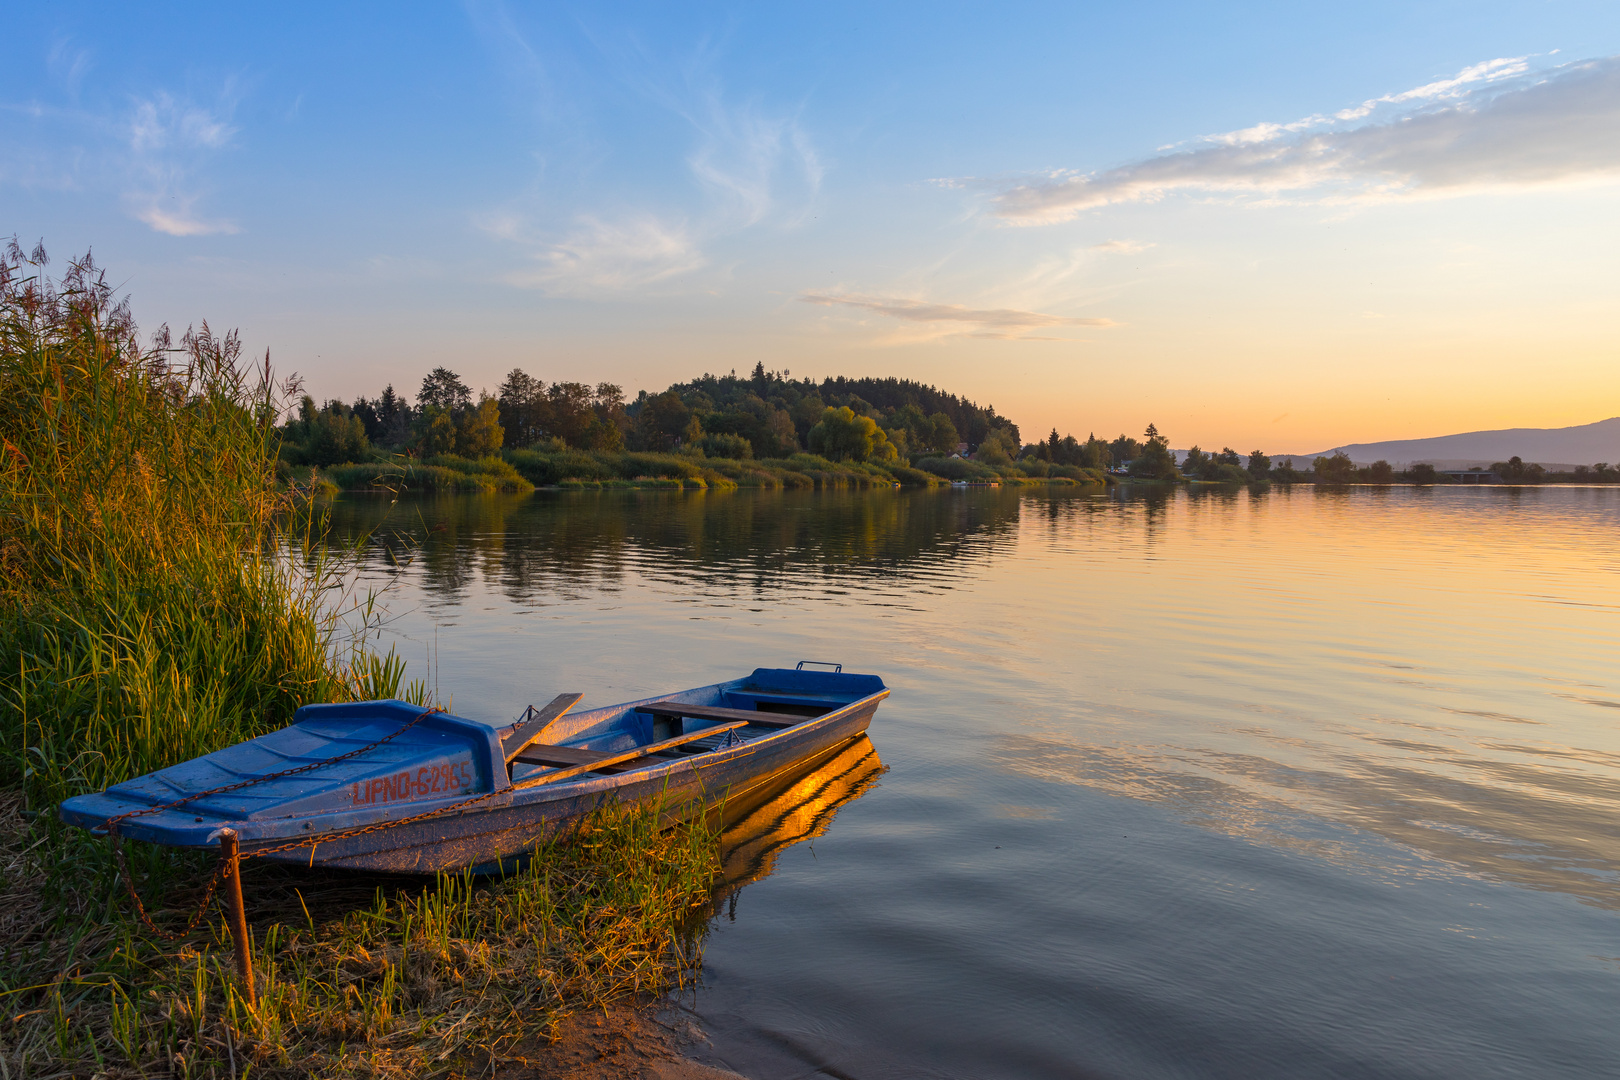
{"type": "Point", "coordinates": [616, 757]}
{"type": "Point", "coordinates": [678, 709]}
{"type": "Point", "coordinates": [560, 757]}
{"type": "Point", "coordinates": [533, 728]}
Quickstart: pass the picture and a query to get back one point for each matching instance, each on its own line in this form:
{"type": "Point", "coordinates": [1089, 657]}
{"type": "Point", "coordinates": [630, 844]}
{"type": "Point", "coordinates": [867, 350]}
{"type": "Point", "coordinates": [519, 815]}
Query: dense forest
{"type": "Point", "coordinates": [765, 415]}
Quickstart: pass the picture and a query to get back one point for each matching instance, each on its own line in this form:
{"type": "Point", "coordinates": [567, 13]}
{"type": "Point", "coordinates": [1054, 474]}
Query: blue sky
{"type": "Point", "coordinates": [1282, 226]}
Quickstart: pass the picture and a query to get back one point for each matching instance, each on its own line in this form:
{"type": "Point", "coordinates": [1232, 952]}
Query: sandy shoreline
{"type": "Point", "coordinates": [627, 1041]}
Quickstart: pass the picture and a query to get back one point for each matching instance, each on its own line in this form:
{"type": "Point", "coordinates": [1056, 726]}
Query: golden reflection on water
{"type": "Point", "coordinates": [791, 811]}
{"type": "Point", "coordinates": [766, 547]}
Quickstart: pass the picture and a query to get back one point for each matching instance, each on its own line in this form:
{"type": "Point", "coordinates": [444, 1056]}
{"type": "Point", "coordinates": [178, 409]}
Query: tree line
{"type": "Point", "coordinates": [770, 415]}
{"type": "Point", "coordinates": [765, 415]}
{"type": "Point", "coordinates": [1339, 469]}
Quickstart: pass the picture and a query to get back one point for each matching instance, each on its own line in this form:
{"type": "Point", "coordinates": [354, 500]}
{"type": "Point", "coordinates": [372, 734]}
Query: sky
{"type": "Point", "coordinates": [1279, 227]}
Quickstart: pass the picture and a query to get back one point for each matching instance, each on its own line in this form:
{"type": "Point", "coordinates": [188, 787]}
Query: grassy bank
{"type": "Point", "coordinates": [524, 470]}
{"type": "Point", "coordinates": [163, 595]}
{"type": "Point", "coordinates": [443, 473]}
{"type": "Point", "coordinates": [574, 468]}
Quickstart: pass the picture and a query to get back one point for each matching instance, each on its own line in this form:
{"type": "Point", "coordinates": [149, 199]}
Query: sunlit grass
{"type": "Point", "coordinates": [578, 468]}
{"type": "Point", "coordinates": [445, 473]}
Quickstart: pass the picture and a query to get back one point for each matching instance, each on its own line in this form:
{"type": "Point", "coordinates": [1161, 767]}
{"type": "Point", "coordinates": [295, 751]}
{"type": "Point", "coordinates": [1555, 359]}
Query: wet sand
{"type": "Point", "coordinates": [627, 1041]}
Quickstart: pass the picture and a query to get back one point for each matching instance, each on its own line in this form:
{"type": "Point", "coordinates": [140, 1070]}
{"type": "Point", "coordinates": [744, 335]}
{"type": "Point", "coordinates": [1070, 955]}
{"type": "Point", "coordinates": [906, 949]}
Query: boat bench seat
{"type": "Point", "coordinates": [678, 709]}
{"type": "Point", "coordinates": [574, 756]}
{"type": "Point", "coordinates": [563, 756]}
{"type": "Point", "coordinates": [603, 761]}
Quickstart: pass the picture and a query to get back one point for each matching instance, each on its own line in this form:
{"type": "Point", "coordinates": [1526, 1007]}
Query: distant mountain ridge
{"type": "Point", "coordinates": [1584, 444]}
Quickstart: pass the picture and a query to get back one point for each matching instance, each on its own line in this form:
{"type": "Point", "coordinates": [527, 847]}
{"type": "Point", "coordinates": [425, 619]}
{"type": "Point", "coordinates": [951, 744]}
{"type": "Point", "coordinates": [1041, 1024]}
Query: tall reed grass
{"type": "Point", "coordinates": [149, 610]}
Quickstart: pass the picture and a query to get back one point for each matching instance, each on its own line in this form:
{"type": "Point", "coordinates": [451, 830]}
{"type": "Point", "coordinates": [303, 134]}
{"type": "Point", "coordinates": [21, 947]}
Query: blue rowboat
{"type": "Point", "coordinates": [390, 786]}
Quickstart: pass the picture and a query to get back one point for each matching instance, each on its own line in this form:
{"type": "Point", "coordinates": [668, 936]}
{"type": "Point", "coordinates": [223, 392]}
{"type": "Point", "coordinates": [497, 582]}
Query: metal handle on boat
{"type": "Point", "coordinates": [820, 663]}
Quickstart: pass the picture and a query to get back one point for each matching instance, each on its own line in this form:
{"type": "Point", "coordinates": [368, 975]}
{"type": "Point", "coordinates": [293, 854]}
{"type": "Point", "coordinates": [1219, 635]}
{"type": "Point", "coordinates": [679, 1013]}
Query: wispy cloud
{"type": "Point", "coordinates": [162, 123]}
{"type": "Point", "coordinates": [152, 155]}
{"type": "Point", "coordinates": [1493, 125]}
{"type": "Point", "coordinates": [68, 64]}
{"type": "Point", "coordinates": [739, 163]}
{"type": "Point", "coordinates": [1120, 247]}
{"type": "Point", "coordinates": [748, 157]}
{"type": "Point", "coordinates": [607, 256]}
{"type": "Point", "coordinates": [177, 219]}
{"type": "Point", "coordinates": [169, 140]}
{"type": "Point", "coordinates": [736, 164]}
{"type": "Point", "coordinates": [1460, 85]}
{"type": "Point", "coordinates": [956, 320]}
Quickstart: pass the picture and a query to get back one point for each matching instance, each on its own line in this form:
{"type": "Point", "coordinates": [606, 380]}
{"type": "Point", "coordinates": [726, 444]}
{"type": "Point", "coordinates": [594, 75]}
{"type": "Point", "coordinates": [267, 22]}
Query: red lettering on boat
{"type": "Point", "coordinates": [426, 780]}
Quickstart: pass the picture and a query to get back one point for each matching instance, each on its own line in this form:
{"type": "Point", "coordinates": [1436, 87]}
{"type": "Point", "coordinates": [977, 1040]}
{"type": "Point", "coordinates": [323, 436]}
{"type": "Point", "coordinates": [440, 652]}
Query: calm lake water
{"type": "Point", "coordinates": [1284, 784]}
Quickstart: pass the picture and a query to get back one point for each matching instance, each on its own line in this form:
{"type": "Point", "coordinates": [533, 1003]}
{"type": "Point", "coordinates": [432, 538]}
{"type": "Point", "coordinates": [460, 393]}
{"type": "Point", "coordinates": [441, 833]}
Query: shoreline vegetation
{"type": "Point", "coordinates": [165, 594]}
{"type": "Point", "coordinates": [528, 470]}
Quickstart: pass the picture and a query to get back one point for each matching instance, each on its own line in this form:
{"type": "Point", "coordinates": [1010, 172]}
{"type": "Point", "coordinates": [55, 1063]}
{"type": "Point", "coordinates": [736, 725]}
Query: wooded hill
{"type": "Point", "coordinates": [764, 415]}
{"type": "Point", "coordinates": [766, 429]}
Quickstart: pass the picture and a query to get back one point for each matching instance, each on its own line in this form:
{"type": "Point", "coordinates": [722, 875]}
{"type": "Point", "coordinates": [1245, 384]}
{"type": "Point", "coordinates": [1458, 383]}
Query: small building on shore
{"type": "Point", "coordinates": [1471, 476]}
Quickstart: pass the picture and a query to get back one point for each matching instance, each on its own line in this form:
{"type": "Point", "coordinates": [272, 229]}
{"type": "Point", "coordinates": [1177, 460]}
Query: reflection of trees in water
{"type": "Point", "coordinates": [449, 540]}
{"type": "Point", "coordinates": [757, 546]}
{"type": "Point", "coordinates": [1151, 501]}
{"type": "Point", "coordinates": [566, 544]}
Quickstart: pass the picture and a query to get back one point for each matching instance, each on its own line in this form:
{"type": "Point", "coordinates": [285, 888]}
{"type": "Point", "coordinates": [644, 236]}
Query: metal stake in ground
{"type": "Point", "coordinates": [236, 915]}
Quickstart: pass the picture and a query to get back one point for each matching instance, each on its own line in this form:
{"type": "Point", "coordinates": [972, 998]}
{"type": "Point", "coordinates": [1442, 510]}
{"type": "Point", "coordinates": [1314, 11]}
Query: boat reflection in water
{"type": "Point", "coordinates": [799, 807]}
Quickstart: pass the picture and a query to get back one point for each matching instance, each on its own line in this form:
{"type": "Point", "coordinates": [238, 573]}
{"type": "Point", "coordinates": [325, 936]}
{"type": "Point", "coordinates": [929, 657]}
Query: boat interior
{"type": "Point", "coordinates": [653, 732]}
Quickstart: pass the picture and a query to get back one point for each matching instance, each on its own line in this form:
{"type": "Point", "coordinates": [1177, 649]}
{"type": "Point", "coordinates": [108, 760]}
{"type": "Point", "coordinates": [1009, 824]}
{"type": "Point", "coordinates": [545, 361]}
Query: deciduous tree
{"type": "Point", "coordinates": [1338, 469]}
{"type": "Point", "coordinates": [843, 436]}
{"type": "Point", "coordinates": [525, 410]}
{"type": "Point", "coordinates": [478, 430]}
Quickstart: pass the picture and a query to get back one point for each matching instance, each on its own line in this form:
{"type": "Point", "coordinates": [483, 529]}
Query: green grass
{"type": "Point", "coordinates": [522, 470]}
{"type": "Point", "coordinates": [160, 593]}
{"type": "Point", "coordinates": [958, 469]}
{"type": "Point", "coordinates": [579, 469]}
{"type": "Point", "coordinates": [445, 473]}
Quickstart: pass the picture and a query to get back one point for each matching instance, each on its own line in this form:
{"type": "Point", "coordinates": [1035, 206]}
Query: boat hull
{"type": "Point", "coordinates": [502, 830]}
